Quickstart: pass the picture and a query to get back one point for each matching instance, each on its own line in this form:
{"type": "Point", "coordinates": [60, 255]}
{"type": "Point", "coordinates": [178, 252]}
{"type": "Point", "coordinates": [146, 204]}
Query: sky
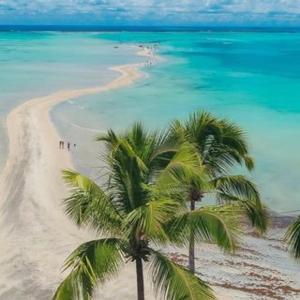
{"type": "Point", "coordinates": [151, 12]}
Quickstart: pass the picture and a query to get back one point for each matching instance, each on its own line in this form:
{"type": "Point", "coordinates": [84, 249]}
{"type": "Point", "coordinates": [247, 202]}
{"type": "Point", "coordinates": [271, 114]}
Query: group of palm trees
{"type": "Point", "coordinates": [151, 196]}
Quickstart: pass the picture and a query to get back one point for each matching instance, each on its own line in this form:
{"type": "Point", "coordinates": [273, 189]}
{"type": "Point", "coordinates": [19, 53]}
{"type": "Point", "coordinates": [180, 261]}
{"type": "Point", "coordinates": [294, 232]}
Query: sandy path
{"type": "Point", "coordinates": [35, 235]}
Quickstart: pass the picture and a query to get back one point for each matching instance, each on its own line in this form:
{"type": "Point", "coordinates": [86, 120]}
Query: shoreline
{"type": "Point", "coordinates": [44, 104]}
{"type": "Point", "coordinates": [35, 234]}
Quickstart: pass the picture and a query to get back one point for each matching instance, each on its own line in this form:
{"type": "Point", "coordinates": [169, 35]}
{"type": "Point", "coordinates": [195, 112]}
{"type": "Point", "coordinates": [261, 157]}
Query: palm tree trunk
{"type": "Point", "coordinates": [192, 244]}
{"type": "Point", "coordinates": [140, 279]}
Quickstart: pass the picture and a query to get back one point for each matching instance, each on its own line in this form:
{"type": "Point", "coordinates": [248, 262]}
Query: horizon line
{"type": "Point", "coordinates": [90, 27]}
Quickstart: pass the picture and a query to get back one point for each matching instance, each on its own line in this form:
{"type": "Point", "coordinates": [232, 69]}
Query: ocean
{"type": "Point", "coordinates": [250, 77]}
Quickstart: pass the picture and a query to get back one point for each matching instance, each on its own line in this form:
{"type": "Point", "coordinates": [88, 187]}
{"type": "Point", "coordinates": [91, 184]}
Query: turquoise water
{"type": "Point", "coordinates": [38, 63]}
{"type": "Point", "coordinates": [251, 78]}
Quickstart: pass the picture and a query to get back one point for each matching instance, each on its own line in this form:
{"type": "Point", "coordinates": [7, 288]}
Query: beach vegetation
{"type": "Point", "coordinates": [293, 238]}
{"type": "Point", "coordinates": [221, 146]}
{"type": "Point", "coordinates": [138, 209]}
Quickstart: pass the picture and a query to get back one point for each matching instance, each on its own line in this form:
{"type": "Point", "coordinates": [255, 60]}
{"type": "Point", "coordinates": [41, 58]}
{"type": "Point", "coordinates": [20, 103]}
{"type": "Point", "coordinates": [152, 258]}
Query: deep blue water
{"type": "Point", "coordinates": [99, 28]}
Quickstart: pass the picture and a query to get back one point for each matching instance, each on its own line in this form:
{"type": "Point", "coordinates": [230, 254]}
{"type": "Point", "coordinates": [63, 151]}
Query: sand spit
{"type": "Point", "coordinates": [35, 235]}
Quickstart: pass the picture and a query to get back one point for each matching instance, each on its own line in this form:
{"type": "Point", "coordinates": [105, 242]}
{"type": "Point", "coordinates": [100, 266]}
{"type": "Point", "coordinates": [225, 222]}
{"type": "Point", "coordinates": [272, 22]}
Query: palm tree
{"type": "Point", "coordinates": [140, 205]}
{"type": "Point", "coordinates": [293, 238]}
{"type": "Point", "coordinates": [221, 145]}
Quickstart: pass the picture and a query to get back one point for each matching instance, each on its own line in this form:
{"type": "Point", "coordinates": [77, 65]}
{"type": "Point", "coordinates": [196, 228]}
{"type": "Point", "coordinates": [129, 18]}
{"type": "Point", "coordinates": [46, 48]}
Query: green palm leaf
{"type": "Point", "coordinates": [153, 148]}
{"type": "Point", "coordinates": [242, 191]}
{"type": "Point", "coordinates": [233, 137]}
{"type": "Point", "coordinates": [148, 219]}
{"type": "Point", "coordinates": [221, 143]}
{"type": "Point", "coordinates": [91, 262]}
{"type": "Point", "coordinates": [175, 282]}
{"type": "Point", "coordinates": [214, 224]}
{"type": "Point", "coordinates": [184, 167]}
{"type": "Point", "coordinates": [293, 238]}
{"type": "Point", "coordinates": [149, 177]}
{"type": "Point", "coordinates": [74, 287]}
{"type": "Point", "coordinates": [237, 185]}
{"type": "Point", "coordinates": [128, 175]}
{"type": "Point", "coordinates": [89, 204]}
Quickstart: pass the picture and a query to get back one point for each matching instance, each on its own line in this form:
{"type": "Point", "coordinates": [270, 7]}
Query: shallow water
{"type": "Point", "coordinates": [249, 77]}
{"type": "Point", "coordinates": [38, 63]}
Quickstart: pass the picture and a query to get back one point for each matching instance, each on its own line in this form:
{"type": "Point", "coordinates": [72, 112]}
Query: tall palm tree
{"type": "Point", "coordinates": [140, 205]}
{"type": "Point", "coordinates": [221, 145]}
{"type": "Point", "coordinates": [293, 238]}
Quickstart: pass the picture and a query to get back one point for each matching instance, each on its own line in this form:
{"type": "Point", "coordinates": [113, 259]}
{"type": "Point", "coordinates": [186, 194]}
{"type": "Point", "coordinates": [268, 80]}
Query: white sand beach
{"type": "Point", "coordinates": [35, 234]}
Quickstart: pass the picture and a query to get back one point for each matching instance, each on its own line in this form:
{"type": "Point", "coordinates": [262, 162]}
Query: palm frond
{"type": "Point", "coordinates": [293, 238]}
{"type": "Point", "coordinates": [174, 282]}
{"type": "Point", "coordinates": [249, 162]}
{"type": "Point", "coordinates": [92, 262]}
{"type": "Point", "coordinates": [239, 189]}
{"type": "Point", "coordinates": [219, 159]}
{"type": "Point", "coordinates": [185, 168]}
{"type": "Point", "coordinates": [238, 186]}
{"type": "Point", "coordinates": [110, 139]}
{"type": "Point", "coordinates": [74, 287]}
{"type": "Point", "coordinates": [220, 142]}
{"type": "Point", "coordinates": [164, 149]}
{"type": "Point", "coordinates": [215, 224]}
{"type": "Point", "coordinates": [234, 138]}
{"type": "Point", "coordinates": [89, 204]}
{"type": "Point", "coordinates": [177, 132]}
{"type": "Point", "coordinates": [128, 174]}
{"type": "Point", "coordinates": [203, 128]}
{"type": "Point", "coordinates": [148, 220]}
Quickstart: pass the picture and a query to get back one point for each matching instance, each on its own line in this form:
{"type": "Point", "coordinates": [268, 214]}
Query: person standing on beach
{"type": "Point", "coordinates": [69, 145]}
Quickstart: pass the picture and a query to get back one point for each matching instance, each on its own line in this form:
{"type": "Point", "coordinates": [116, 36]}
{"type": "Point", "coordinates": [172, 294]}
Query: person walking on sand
{"type": "Point", "coordinates": [69, 146]}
